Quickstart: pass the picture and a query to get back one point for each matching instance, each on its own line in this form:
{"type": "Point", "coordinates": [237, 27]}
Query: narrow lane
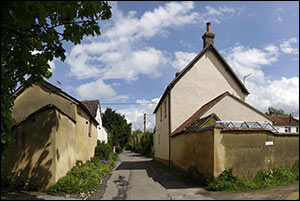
{"type": "Point", "coordinates": [136, 177]}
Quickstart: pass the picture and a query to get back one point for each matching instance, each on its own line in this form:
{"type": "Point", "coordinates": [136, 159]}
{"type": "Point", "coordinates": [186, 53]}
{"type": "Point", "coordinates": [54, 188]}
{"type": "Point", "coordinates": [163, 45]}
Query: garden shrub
{"type": "Point", "coordinates": [82, 178]}
{"type": "Point", "coordinates": [103, 150]}
{"type": "Point", "coordinates": [86, 177]}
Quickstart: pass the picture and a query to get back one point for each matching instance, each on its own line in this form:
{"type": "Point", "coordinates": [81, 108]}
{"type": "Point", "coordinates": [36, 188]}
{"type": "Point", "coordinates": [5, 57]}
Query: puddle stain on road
{"type": "Point", "coordinates": [122, 185]}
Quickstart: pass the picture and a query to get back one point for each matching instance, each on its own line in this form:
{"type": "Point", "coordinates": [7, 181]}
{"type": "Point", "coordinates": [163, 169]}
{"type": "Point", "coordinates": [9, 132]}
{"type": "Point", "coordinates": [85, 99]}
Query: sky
{"type": "Point", "coordinates": [145, 43]}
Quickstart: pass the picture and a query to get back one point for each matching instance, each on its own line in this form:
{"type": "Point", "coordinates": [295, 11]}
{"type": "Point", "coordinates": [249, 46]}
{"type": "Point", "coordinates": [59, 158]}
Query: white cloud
{"type": "Point", "coordinates": [216, 14]}
{"type": "Point", "coordinates": [52, 65]}
{"type": "Point", "coordinates": [286, 46]}
{"type": "Point", "coordinates": [245, 60]}
{"type": "Point", "coordinates": [135, 114]}
{"type": "Point", "coordinates": [281, 94]}
{"type": "Point", "coordinates": [117, 53]}
{"type": "Point", "coordinates": [174, 14]}
{"type": "Point", "coordinates": [182, 59]}
{"type": "Point", "coordinates": [98, 89]}
{"type": "Point", "coordinates": [277, 14]}
{"type": "Point", "coordinates": [264, 93]}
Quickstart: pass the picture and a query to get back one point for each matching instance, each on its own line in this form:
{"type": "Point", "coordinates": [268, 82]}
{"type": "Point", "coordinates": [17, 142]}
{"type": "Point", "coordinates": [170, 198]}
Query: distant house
{"type": "Point", "coordinates": [95, 108]}
{"type": "Point", "coordinates": [285, 124]}
{"type": "Point", "coordinates": [53, 130]}
{"type": "Point", "coordinates": [203, 121]}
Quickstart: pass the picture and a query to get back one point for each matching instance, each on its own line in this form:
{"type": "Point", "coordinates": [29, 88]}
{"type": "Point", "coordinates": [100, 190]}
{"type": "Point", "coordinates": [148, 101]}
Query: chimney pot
{"type": "Point", "coordinates": [208, 37]}
{"type": "Point", "coordinates": [208, 27]}
{"type": "Point", "coordinates": [176, 74]}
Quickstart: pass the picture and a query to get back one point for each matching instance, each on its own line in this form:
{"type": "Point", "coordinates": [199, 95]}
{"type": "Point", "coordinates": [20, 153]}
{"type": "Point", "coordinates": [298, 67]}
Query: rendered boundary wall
{"type": "Point", "coordinates": [213, 150]}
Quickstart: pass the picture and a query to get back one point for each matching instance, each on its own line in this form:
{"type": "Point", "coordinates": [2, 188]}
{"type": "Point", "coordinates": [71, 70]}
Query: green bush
{"type": "Point", "coordinates": [145, 145]}
{"type": "Point", "coordinates": [283, 175]}
{"type": "Point", "coordinates": [103, 150]}
{"type": "Point", "coordinates": [81, 178]}
{"type": "Point", "coordinates": [225, 181]}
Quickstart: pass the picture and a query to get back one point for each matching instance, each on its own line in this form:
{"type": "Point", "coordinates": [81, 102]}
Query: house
{"type": "Point", "coordinates": [207, 76]}
{"type": "Point", "coordinates": [202, 107]}
{"type": "Point", "coordinates": [53, 130]}
{"type": "Point", "coordinates": [285, 124]}
{"type": "Point", "coordinates": [95, 108]}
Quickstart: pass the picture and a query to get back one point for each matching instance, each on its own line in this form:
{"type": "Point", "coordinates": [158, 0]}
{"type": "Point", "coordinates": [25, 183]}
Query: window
{"type": "Point", "coordinates": [90, 128]}
{"type": "Point", "coordinates": [160, 113]}
{"type": "Point", "coordinates": [287, 129]}
{"type": "Point", "coordinates": [165, 108]}
{"type": "Point", "coordinates": [297, 129]}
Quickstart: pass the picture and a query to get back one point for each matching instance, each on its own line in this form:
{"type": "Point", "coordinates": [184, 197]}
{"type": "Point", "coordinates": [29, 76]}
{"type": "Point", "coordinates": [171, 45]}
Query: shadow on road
{"type": "Point", "coordinates": [166, 179]}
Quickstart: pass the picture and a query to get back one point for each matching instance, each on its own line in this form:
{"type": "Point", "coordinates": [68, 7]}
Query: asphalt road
{"type": "Point", "coordinates": [138, 178]}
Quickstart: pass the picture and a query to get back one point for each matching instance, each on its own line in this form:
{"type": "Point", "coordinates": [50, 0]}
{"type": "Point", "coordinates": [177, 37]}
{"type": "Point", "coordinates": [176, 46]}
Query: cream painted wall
{"type": "Point", "coordinates": [36, 97]}
{"type": "Point", "coordinates": [161, 135]}
{"type": "Point", "coordinates": [65, 145]}
{"type": "Point", "coordinates": [206, 80]}
{"type": "Point", "coordinates": [229, 109]}
{"type": "Point", "coordinates": [85, 145]}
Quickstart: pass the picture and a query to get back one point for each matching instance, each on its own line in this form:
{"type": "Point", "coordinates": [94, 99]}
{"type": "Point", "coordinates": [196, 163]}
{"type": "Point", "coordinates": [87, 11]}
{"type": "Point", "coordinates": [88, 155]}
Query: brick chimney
{"type": "Point", "coordinates": [208, 37]}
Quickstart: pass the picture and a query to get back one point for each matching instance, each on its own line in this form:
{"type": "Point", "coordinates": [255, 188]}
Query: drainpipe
{"type": "Point", "coordinates": [169, 116]}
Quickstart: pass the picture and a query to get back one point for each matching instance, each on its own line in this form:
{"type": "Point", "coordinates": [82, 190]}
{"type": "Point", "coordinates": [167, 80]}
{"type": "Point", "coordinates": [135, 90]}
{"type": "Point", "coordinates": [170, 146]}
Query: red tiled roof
{"type": "Point", "coordinates": [284, 120]}
{"type": "Point", "coordinates": [92, 106]}
{"type": "Point", "coordinates": [198, 113]}
{"type": "Point", "coordinates": [207, 106]}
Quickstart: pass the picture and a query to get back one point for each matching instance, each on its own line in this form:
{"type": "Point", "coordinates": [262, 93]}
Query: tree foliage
{"type": "Point", "coordinates": [118, 128]}
{"type": "Point", "coordinates": [32, 33]}
{"type": "Point", "coordinates": [276, 112]}
{"type": "Point", "coordinates": [144, 146]}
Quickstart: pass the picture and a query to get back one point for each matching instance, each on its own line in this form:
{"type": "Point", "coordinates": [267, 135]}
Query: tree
{"type": "Point", "coordinates": [276, 112]}
{"type": "Point", "coordinates": [31, 35]}
{"type": "Point", "coordinates": [117, 126]}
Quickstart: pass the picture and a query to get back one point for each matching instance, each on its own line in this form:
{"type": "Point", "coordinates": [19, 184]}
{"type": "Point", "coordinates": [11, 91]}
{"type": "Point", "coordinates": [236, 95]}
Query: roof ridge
{"type": "Point", "coordinates": [191, 64]}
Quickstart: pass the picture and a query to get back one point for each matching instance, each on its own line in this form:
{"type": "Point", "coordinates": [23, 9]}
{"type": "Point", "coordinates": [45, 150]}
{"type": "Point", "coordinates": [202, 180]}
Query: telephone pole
{"type": "Point", "coordinates": [144, 122]}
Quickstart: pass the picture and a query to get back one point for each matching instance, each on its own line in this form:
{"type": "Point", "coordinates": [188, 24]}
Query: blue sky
{"type": "Point", "coordinates": [144, 44]}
